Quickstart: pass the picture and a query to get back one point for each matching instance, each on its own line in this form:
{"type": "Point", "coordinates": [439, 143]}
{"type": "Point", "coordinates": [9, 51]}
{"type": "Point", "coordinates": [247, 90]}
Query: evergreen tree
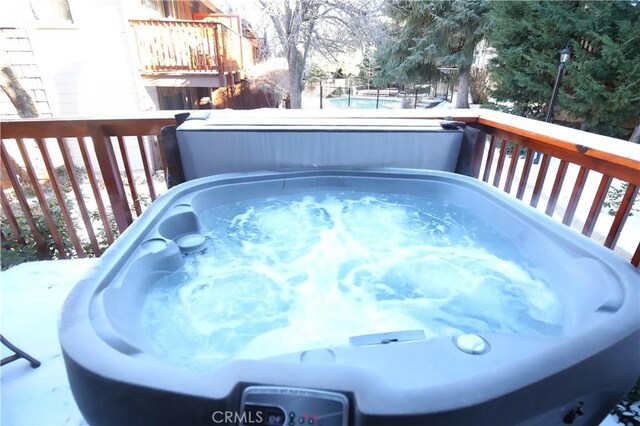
{"type": "Point", "coordinates": [367, 68]}
{"type": "Point", "coordinates": [425, 35]}
{"type": "Point", "coordinates": [601, 86]}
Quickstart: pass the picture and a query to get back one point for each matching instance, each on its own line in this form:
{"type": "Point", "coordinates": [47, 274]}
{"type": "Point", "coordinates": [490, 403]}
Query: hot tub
{"type": "Point", "coordinates": [567, 357]}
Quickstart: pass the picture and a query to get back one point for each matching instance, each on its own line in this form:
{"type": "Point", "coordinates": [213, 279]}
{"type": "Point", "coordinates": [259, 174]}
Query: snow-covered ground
{"type": "Point", "coordinates": [31, 295]}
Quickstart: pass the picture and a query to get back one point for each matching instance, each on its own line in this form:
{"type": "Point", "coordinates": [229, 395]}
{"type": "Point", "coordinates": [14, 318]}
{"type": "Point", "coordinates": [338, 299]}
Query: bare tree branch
{"type": "Point", "coordinates": [325, 26]}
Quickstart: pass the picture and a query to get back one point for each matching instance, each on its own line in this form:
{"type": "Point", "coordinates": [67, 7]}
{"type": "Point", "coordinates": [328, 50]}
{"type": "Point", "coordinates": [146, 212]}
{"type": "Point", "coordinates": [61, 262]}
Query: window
{"type": "Point", "coordinates": [152, 4]}
{"type": "Point", "coordinates": [51, 10]}
{"type": "Point", "coordinates": [168, 9]}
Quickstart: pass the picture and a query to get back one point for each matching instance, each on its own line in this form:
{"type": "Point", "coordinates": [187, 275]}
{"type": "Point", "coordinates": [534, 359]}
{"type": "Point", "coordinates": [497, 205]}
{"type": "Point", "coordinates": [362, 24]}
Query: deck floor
{"type": "Point", "coordinates": [31, 296]}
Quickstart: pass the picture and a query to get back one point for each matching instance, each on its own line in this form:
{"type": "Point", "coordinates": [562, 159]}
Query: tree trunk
{"type": "Point", "coordinates": [295, 81]}
{"type": "Point", "coordinates": [295, 91]}
{"type": "Point", "coordinates": [464, 74]}
{"type": "Point", "coordinates": [23, 103]}
{"type": "Point", "coordinates": [18, 96]}
{"type": "Point", "coordinates": [635, 136]}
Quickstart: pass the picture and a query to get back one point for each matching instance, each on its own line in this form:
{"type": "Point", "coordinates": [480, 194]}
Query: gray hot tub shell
{"type": "Point", "coordinates": [522, 379]}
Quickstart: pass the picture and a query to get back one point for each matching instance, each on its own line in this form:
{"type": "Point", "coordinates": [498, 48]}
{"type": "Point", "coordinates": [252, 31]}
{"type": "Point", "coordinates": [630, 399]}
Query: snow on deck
{"type": "Point", "coordinates": [31, 297]}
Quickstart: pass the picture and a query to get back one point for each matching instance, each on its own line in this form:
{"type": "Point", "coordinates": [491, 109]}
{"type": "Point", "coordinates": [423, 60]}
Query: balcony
{"type": "Point", "coordinates": [195, 48]}
{"type": "Point", "coordinates": [70, 186]}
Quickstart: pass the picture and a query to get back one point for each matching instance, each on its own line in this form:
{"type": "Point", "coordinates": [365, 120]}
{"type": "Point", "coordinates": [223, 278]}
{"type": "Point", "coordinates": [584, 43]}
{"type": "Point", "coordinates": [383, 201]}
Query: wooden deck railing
{"type": "Point", "coordinates": [594, 158]}
{"type": "Point", "coordinates": [182, 46]}
{"type": "Point", "coordinates": [84, 181]}
{"type": "Point", "coordinates": [77, 180]}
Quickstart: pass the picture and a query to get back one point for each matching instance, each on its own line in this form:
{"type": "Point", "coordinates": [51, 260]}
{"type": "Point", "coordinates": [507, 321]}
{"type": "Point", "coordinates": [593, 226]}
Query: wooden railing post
{"type": "Point", "coordinates": [241, 64]}
{"type": "Point", "coordinates": [111, 177]}
{"type": "Point", "coordinates": [626, 204]}
{"type": "Point", "coordinates": [24, 205]}
{"type": "Point", "coordinates": [219, 51]}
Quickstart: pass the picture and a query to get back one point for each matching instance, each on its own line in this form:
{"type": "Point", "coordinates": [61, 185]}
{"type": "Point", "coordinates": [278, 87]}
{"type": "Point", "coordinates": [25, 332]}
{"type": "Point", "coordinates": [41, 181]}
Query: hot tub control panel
{"type": "Point", "coordinates": [284, 406]}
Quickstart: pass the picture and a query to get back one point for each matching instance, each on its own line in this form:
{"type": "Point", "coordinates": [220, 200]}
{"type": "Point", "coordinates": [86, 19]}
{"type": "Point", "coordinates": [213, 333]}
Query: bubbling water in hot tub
{"type": "Point", "coordinates": [309, 271]}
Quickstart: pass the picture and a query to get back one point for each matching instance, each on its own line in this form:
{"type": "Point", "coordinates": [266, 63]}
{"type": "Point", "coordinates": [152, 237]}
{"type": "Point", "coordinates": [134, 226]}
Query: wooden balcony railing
{"type": "Point", "coordinates": [70, 186]}
{"type": "Point", "coordinates": [594, 162]}
{"type": "Point", "coordinates": [181, 46]}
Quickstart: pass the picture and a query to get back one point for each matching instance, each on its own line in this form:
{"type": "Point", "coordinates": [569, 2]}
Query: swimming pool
{"type": "Point", "coordinates": [359, 102]}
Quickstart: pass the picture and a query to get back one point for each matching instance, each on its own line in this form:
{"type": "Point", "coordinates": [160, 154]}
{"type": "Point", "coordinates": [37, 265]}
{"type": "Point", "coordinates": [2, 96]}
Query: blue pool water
{"type": "Point", "coordinates": [309, 271]}
{"type": "Point", "coordinates": [365, 103]}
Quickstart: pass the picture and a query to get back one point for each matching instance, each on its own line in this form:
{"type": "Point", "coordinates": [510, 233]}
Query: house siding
{"type": "Point", "coordinates": [89, 66]}
{"type": "Point", "coordinates": [17, 51]}
{"type": "Point", "coordinates": [86, 67]}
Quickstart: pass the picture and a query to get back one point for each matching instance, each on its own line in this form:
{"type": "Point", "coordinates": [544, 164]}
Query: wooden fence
{"type": "Point", "coordinates": [95, 194]}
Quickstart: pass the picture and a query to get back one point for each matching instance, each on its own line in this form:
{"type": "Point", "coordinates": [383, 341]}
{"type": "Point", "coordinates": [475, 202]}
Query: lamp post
{"type": "Point", "coordinates": [564, 57]}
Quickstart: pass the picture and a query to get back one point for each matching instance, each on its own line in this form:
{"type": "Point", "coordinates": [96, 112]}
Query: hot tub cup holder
{"type": "Point", "coordinates": [191, 243]}
{"type": "Point", "coordinates": [154, 245]}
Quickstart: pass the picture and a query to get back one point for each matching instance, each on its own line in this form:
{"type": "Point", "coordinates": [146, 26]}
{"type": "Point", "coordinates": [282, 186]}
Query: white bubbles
{"type": "Point", "coordinates": [309, 271]}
